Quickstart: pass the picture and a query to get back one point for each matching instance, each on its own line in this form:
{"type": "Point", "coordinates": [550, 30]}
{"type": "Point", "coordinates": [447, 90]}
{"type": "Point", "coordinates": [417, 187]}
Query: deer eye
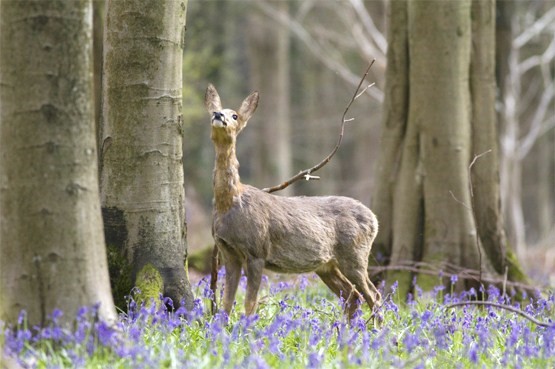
{"type": "Point", "coordinates": [234, 116]}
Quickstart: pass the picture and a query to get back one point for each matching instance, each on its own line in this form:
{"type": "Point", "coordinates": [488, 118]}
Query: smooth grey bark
{"type": "Point", "coordinates": [142, 174]}
{"type": "Point", "coordinates": [52, 251]}
{"type": "Point", "coordinates": [437, 210]}
{"type": "Point", "coordinates": [486, 198]}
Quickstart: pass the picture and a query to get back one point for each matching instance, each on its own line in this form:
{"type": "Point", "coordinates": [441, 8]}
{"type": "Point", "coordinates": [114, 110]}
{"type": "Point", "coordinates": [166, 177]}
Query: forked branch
{"type": "Point", "coordinates": [307, 173]}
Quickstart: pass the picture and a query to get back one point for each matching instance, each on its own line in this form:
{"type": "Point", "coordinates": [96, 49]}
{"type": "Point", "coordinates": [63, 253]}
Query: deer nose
{"type": "Point", "coordinates": [218, 116]}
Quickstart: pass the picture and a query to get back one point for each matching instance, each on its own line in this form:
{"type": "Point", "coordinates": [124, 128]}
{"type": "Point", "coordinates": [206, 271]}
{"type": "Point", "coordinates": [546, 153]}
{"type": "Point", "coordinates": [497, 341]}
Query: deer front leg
{"type": "Point", "coordinates": [232, 276]}
{"type": "Point", "coordinates": [255, 267]}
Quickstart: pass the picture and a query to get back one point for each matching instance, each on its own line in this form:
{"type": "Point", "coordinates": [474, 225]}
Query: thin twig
{"type": "Point", "coordinates": [376, 310]}
{"type": "Point", "coordinates": [501, 306]}
{"type": "Point", "coordinates": [307, 172]}
{"type": "Point", "coordinates": [471, 208]}
{"type": "Point", "coordinates": [448, 270]}
{"type": "Point", "coordinates": [476, 157]}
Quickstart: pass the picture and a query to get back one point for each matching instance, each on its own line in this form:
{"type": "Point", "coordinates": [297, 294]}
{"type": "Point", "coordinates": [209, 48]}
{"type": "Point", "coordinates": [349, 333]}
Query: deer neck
{"type": "Point", "coordinates": [227, 183]}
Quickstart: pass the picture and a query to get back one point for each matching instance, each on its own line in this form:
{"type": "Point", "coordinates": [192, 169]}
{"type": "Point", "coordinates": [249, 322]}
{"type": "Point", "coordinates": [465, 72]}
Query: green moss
{"type": "Point", "coordinates": [150, 284]}
{"type": "Point", "coordinates": [515, 273]}
{"type": "Point", "coordinates": [120, 276]}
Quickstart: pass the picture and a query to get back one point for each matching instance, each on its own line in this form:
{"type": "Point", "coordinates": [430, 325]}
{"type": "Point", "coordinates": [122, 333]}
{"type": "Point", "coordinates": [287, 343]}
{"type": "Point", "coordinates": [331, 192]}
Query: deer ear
{"type": "Point", "coordinates": [212, 99]}
{"type": "Point", "coordinates": [247, 109]}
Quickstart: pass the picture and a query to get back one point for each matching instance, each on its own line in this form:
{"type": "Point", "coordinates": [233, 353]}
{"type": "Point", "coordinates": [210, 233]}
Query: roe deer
{"type": "Point", "coordinates": [329, 235]}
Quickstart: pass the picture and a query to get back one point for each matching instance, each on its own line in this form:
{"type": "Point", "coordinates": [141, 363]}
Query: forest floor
{"type": "Point", "coordinates": [299, 324]}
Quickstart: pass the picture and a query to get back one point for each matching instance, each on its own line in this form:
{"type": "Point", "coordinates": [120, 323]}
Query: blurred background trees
{"type": "Point", "coordinates": [240, 45]}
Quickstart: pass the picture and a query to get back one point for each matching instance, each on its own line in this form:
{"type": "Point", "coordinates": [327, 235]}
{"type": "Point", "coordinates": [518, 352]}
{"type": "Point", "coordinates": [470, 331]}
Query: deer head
{"type": "Point", "coordinates": [227, 123]}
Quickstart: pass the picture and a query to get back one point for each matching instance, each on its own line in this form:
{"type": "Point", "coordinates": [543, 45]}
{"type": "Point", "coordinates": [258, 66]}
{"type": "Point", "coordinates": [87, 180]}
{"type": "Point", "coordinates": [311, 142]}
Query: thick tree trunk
{"type": "Point", "coordinates": [142, 175]}
{"type": "Point", "coordinates": [437, 209]}
{"type": "Point", "coordinates": [52, 253]}
{"type": "Point", "coordinates": [485, 171]}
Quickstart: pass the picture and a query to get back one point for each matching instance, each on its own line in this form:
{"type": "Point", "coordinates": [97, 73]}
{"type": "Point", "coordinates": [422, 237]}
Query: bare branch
{"type": "Point", "coordinates": [447, 270]}
{"type": "Point", "coordinates": [459, 201]}
{"type": "Point", "coordinates": [315, 47]}
{"type": "Point", "coordinates": [306, 174]}
{"type": "Point", "coordinates": [538, 26]}
{"type": "Point", "coordinates": [535, 130]}
{"type": "Point", "coordinates": [369, 25]}
{"type": "Point", "coordinates": [502, 306]}
{"type": "Point", "coordinates": [476, 157]}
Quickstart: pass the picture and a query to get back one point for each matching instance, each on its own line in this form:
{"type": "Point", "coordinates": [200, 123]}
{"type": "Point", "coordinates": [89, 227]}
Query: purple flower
{"type": "Point", "coordinates": [410, 341]}
{"type": "Point", "coordinates": [56, 315]}
{"type": "Point", "coordinates": [22, 317]}
{"type": "Point", "coordinates": [426, 315]}
{"type": "Point", "coordinates": [394, 287]}
{"type": "Point", "coordinates": [473, 354]}
{"type": "Point", "coordinates": [315, 360]}
{"type": "Point", "coordinates": [106, 334]}
{"type": "Point", "coordinates": [16, 341]}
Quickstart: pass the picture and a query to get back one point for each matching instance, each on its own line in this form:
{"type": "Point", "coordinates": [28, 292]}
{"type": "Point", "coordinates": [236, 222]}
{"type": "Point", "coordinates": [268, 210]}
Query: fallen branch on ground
{"type": "Point", "coordinates": [505, 307]}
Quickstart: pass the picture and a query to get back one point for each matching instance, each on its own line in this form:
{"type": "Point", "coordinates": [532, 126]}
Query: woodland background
{"type": "Point", "coordinates": [305, 59]}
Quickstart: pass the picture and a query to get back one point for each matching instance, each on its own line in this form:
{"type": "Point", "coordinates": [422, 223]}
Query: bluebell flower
{"type": "Point", "coordinates": [315, 360]}
{"type": "Point", "coordinates": [410, 341]}
{"type": "Point", "coordinates": [473, 354]}
{"type": "Point", "coordinates": [106, 334]}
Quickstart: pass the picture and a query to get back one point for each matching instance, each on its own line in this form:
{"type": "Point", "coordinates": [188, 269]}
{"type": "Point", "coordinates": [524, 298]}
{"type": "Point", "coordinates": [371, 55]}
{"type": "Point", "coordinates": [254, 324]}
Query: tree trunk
{"type": "Point", "coordinates": [435, 215]}
{"type": "Point", "coordinates": [52, 254]}
{"type": "Point", "coordinates": [141, 174]}
{"type": "Point", "coordinates": [269, 57]}
{"type": "Point", "coordinates": [98, 52]}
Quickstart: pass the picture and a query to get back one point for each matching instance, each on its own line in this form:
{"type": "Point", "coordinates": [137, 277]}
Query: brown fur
{"type": "Point", "coordinates": [330, 235]}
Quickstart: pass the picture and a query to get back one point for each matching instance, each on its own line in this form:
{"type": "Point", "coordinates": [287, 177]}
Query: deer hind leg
{"type": "Point", "coordinates": [255, 267]}
{"type": "Point", "coordinates": [358, 275]}
{"type": "Point", "coordinates": [340, 285]}
{"type": "Point", "coordinates": [232, 277]}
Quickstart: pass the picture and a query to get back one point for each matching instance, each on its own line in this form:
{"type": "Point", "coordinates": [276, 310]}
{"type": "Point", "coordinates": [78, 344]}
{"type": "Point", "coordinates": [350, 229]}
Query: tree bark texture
{"type": "Point", "coordinates": [52, 254]}
{"type": "Point", "coordinates": [437, 209]}
{"type": "Point", "coordinates": [141, 172]}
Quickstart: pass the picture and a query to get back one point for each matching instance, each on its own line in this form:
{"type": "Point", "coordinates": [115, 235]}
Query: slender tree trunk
{"type": "Point", "coordinates": [142, 175]}
{"type": "Point", "coordinates": [392, 148]}
{"type": "Point", "coordinates": [98, 52]}
{"type": "Point", "coordinates": [52, 253]}
{"type": "Point", "coordinates": [269, 56]}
